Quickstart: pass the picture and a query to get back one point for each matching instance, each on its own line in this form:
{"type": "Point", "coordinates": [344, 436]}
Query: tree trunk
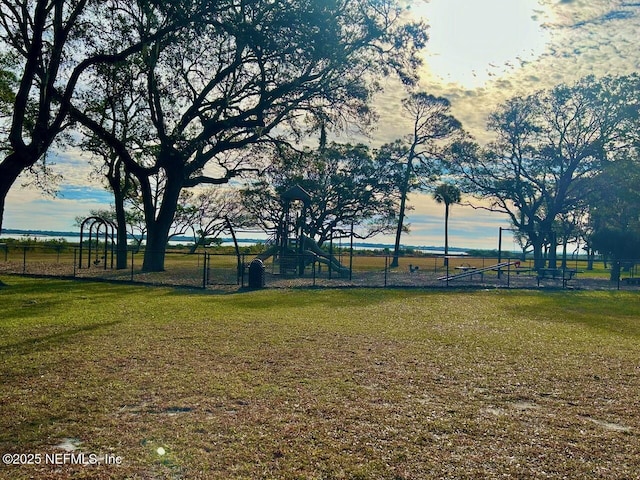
{"type": "Point", "coordinates": [3, 195]}
{"type": "Point", "coordinates": [553, 256]}
{"type": "Point", "coordinates": [198, 240]}
{"type": "Point", "coordinates": [615, 270]}
{"type": "Point", "coordinates": [403, 207]}
{"type": "Point", "coordinates": [590, 258]}
{"type": "Point", "coordinates": [156, 245]}
{"type": "Point", "coordinates": [10, 169]}
{"type": "Point", "coordinates": [121, 234]}
{"type": "Point", "coordinates": [115, 181]}
{"type": "Point", "coordinates": [446, 234]}
{"type": "Point", "coordinates": [564, 253]}
{"type": "Point", "coordinates": [158, 227]}
{"type": "Point", "coordinates": [538, 257]}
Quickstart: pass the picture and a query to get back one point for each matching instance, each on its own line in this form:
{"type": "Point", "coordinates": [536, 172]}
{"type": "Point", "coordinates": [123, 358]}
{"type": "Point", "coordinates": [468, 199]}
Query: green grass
{"type": "Point", "coordinates": [320, 384]}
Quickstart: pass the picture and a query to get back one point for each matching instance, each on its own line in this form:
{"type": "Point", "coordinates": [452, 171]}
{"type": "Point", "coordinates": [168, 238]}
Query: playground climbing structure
{"type": "Point", "coordinates": [293, 250]}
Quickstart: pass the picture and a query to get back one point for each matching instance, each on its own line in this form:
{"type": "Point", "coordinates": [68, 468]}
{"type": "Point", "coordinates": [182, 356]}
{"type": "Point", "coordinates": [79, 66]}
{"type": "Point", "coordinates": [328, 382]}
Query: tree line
{"type": "Point", "coordinates": [171, 97]}
{"type": "Point", "coordinates": [563, 167]}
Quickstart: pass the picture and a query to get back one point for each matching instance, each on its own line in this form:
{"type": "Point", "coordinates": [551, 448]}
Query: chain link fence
{"type": "Point", "coordinates": [211, 270]}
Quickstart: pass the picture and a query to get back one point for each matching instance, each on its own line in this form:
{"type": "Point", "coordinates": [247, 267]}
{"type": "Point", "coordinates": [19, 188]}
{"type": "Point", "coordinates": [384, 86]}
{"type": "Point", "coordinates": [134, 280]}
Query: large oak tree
{"type": "Point", "coordinates": [52, 46]}
{"type": "Point", "coordinates": [546, 145]}
{"type": "Point", "coordinates": [249, 73]}
{"type": "Point", "coordinates": [613, 200]}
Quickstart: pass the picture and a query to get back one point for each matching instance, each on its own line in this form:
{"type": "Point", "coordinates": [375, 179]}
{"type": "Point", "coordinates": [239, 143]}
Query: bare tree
{"type": "Point", "coordinates": [419, 153]}
{"type": "Point", "coordinates": [211, 211]}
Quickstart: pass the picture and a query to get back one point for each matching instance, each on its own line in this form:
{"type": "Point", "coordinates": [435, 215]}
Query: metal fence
{"type": "Point", "coordinates": [438, 271]}
{"type": "Point", "coordinates": [181, 268]}
{"type": "Point", "coordinates": [211, 270]}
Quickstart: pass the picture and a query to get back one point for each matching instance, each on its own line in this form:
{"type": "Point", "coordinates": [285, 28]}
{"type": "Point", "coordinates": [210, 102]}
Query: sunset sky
{"type": "Point", "coordinates": [480, 53]}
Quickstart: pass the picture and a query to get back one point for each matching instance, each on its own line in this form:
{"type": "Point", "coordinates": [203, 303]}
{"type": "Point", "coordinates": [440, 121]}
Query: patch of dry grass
{"type": "Point", "coordinates": [320, 384]}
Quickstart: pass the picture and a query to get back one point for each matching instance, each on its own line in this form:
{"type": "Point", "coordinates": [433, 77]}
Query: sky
{"type": "Point", "coordinates": [479, 54]}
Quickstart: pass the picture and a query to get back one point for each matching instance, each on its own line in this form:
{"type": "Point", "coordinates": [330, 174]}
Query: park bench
{"type": "Point", "coordinates": [631, 280]}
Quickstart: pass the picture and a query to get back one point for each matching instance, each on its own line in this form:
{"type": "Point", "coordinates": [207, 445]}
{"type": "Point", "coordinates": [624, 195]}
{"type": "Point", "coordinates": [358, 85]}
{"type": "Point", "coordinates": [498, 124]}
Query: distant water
{"type": "Point", "coordinates": [40, 237]}
{"type": "Point", "coordinates": [75, 238]}
{"type": "Point", "coordinates": [43, 237]}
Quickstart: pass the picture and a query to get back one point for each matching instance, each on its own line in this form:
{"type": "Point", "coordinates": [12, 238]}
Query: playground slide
{"type": "Point", "coordinates": [332, 262]}
{"type": "Point", "coordinates": [267, 253]}
{"type": "Point", "coordinates": [309, 245]}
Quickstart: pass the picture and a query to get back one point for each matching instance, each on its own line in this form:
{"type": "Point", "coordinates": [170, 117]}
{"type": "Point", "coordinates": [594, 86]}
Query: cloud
{"type": "Point", "coordinates": [468, 227]}
{"type": "Point", "coordinates": [607, 17]}
{"type": "Point", "coordinates": [76, 168]}
{"type": "Point", "coordinates": [581, 42]}
{"type": "Point", "coordinates": [582, 37]}
{"type": "Point", "coordinates": [27, 208]}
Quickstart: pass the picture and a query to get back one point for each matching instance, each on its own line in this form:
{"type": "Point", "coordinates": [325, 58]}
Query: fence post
{"type": "Point", "coordinates": [242, 271]}
{"type": "Point", "coordinates": [386, 267]}
{"type": "Point", "coordinates": [24, 259]}
{"type": "Point", "coordinates": [205, 270]}
{"type": "Point", "coordinates": [133, 254]}
{"type": "Point", "coordinates": [330, 253]}
{"type": "Point", "coordinates": [313, 269]}
{"type": "Point", "coordinates": [239, 268]}
{"type": "Point", "coordinates": [447, 281]}
{"type": "Point", "coordinates": [351, 255]}
{"type": "Point", "coordinates": [75, 257]}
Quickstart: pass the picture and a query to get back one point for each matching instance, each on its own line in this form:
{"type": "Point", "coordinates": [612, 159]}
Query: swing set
{"type": "Point", "coordinates": [97, 226]}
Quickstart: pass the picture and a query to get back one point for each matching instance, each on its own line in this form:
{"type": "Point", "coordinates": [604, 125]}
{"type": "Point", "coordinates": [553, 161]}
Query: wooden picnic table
{"type": "Point", "coordinates": [564, 274]}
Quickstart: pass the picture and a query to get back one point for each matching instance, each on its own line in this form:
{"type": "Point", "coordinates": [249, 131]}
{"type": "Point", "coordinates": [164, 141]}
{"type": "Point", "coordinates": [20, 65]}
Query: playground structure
{"type": "Point", "coordinates": [95, 225]}
{"type": "Point", "coordinates": [293, 250]}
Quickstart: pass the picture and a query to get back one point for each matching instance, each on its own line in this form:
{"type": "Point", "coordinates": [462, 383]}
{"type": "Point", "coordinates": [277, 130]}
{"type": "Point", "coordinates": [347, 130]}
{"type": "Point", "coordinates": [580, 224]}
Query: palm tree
{"type": "Point", "coordinates": [447, 194]}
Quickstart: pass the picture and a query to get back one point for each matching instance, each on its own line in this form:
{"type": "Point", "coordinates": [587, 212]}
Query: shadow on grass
{"type": "Point", "coordinates": [310, 296]}
{"type": "Point", "coordinates": [609, 312]}
{"type": "Point", "coordinates": [31, 345]}
{"type": "Point", "coordinates": [26, 300]}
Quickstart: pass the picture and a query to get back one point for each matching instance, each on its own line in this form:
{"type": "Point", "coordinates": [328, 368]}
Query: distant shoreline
{"type": "Point", "coordinates": [12, 233]}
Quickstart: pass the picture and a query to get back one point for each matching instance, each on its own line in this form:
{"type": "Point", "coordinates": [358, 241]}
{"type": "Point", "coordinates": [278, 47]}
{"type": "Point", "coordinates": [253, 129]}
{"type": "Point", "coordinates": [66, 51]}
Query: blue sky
{"type": "Point", "coordinates": [481, 52]}
{"type": "Point", "coordinates": [84, 194]}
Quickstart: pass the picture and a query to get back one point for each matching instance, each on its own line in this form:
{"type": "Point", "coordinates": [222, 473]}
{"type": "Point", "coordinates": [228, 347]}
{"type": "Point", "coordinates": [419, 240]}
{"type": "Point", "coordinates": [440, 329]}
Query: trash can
{"type": "Point", "coordinates": [256, 274]}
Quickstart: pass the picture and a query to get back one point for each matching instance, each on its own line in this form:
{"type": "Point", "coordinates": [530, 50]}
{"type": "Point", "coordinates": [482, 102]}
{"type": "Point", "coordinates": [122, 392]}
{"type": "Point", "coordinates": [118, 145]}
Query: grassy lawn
{"type": "Point", "coordinates": [319, 384]}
